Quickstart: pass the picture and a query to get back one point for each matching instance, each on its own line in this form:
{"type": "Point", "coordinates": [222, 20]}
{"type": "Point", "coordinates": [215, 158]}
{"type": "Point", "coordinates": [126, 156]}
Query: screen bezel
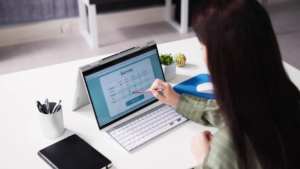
{"type": "Point", "coordinates": [112, 63]}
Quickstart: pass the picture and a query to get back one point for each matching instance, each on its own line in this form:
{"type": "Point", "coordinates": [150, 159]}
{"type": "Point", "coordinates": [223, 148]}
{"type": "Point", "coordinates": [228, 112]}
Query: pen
{"type": "Point", "coordinates": [40, 107]}
{"type": "Point", "coordinates": [56, 108]}
{"type": "Point", "coordinates": [47, 106]}
{"type": "Point", "coordinates": [147, 91]}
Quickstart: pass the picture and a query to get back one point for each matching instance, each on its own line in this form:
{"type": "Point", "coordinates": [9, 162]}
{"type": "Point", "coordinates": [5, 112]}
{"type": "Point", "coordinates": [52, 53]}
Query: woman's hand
{"type": "Point", "coordinates": [169, 96]}
{"type": "Point", "coordinates": [200, 145]}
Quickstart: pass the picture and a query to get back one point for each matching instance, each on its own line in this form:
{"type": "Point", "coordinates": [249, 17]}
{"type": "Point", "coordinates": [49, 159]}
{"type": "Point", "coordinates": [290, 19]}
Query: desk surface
{"type": "Point", "coordinates": [21, 137]}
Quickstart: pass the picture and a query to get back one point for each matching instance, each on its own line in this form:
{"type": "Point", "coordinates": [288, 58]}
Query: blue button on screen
{"type": "Point", "coordinates": [134, 100]}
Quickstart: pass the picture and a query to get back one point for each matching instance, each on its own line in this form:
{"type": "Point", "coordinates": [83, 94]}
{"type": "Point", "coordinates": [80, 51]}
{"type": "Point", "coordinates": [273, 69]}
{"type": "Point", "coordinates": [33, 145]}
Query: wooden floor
{"type": "Point", "coordinates": [285, 19]}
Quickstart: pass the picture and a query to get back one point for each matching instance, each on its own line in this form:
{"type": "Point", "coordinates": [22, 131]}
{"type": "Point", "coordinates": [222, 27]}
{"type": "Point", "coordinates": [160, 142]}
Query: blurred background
{"type": "Point", "coordinates": [37, 33]}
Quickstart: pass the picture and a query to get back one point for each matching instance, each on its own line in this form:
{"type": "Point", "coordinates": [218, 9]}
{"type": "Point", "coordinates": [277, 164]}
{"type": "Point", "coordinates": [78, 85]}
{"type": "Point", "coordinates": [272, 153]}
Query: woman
{"type": "Point", "coordinates": [257, 107]}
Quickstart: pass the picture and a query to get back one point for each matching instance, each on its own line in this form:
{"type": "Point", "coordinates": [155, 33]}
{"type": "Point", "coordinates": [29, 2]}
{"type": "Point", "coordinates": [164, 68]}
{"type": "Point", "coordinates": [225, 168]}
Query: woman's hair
{"type": "Point", "coordinates": [259, 102]}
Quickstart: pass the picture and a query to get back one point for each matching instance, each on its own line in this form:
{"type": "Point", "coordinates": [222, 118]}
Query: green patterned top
{"type": "Point", "coordinates": [206, 112]}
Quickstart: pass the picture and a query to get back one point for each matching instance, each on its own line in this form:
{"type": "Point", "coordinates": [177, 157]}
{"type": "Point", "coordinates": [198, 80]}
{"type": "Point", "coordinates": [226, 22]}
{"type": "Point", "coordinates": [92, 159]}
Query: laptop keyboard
{"type": "Point", "coordinates": [145, 127]}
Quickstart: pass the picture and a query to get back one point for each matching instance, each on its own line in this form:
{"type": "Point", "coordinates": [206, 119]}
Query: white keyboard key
{"type": "Point", "coordinates": [153, 134]}
{"type": "Point", "coordinates": [143, 130]}
{"type": "Point", "coordinates": [140, 132]}
{"type": "Point", "coordinates": [169, 126]}
{"type": "Point", "coordinates": [129, 141]}
{"type": "Point", "coordinates": [181, 121]}
{"type": "Point", "coordinates": [133, 134]}
{"type": "Point", "coordinates": [134, 139]}
{"type": "Point", "coordinates": [144, 134]}
{"type": "Point", "coordinates": [137, 138]}
{"type": "Point", "coordinates": [137, 142]}
{"type": "Point", "coordinates": [148, 132]}
{"type": "Point", "coordinates": [127, 148]}
{"type": "Point", "coordinates": [122, 140]}
{"type": "Point", "coordinates": [143, 140]}
{"type": "Point", "coordinates": [174, 113]}
{"type": "Point", "coordinates": [164, 128]}
{"type": "Point", "coordinates": [125, 143]}
{"type": "Point", "coordinates": [118, 138]}
{"type": "Point", "coordinates": [179, 116]}
{"type": "Point", "coordinates": [133, 145]}
{"type": "Point", "coordinates": [176, 122]}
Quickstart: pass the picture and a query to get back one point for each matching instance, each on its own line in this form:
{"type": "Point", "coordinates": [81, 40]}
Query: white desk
{"type": "Point", "coordinates": [21, 138]}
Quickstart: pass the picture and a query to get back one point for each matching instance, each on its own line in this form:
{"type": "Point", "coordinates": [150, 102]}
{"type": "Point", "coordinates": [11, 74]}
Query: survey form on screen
{"type": "Point", "coordinates": [119, 85]}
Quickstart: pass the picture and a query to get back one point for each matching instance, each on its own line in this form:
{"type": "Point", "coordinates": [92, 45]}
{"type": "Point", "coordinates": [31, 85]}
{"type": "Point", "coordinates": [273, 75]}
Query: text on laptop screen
{"type": "Point", "coordinates": [111, 89]}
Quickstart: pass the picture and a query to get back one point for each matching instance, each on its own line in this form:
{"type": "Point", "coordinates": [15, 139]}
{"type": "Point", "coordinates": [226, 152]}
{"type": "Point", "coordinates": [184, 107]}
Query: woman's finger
{"type": "Point", "coordinates": [210, 136]}
{"type": "Point", "coordinates": [207, 134]}
{"type": "Point", "coordinates": [157, 95]}
{"type": "Point", "coordinates": [159, 80]}
{"type": "Point", "coordinates": [157, 85]}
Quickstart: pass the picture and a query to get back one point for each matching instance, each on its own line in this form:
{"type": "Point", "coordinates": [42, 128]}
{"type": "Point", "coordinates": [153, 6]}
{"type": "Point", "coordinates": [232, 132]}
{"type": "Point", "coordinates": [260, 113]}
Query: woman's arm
{"type": "Point", "coordinates": [200, 110]}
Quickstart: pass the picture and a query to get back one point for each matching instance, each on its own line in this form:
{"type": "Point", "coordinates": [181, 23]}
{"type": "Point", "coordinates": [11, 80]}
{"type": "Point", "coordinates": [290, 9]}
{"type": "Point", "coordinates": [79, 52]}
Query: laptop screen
{"type": "Point", "coordinates": [111, 85]}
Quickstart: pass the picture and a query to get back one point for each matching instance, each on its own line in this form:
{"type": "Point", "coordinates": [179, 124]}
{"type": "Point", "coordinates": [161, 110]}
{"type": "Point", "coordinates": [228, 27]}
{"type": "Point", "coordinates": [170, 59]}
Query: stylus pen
{"type": "Point", "coordinates": [47, 106]}
{"type": "Point", "coordinates": [148, 91]}
{"type": "Point", "coordinates": [55, 109]}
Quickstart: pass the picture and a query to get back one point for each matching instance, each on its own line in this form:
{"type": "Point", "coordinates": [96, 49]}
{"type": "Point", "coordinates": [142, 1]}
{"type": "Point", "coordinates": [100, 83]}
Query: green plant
{"type": "Point", "coordinates": [166, 59]}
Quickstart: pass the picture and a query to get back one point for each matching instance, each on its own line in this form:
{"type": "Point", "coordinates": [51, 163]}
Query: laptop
{"type": "Point", "coordinates": [109, 85]}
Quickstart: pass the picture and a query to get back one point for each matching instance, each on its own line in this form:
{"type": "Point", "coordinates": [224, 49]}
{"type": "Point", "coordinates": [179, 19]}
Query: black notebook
{"type": "Point", "coordinates": [73, 153]}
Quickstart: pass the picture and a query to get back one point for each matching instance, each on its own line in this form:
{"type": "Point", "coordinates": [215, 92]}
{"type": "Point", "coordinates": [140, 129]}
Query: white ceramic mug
{"type": "Point", "coordinates": [52, 125]}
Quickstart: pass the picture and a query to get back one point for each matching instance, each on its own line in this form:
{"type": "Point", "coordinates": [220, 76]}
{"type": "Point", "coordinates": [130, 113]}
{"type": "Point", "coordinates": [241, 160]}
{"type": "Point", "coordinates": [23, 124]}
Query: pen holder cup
{"type": "Point", "coordinates": [52, 125]}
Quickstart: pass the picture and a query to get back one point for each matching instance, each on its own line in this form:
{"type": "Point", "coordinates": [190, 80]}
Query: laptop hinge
{"type": "Point", "coordinates": [94, 64]}
{"type": "Point", "coordinates": [152, 42]}
{"type": "Point", "coordinates": [144, 46]}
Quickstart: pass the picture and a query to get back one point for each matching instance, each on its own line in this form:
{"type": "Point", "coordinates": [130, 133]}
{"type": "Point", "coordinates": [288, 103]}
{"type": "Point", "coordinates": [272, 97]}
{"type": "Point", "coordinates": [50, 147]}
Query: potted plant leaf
{"type": "Point", "coordinates": [168, 65]}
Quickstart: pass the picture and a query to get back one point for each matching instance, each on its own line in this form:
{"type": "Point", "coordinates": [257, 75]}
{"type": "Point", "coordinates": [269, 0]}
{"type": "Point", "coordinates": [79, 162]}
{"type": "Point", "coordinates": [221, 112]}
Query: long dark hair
{"type": "Point", "coordinates": [260, 104]}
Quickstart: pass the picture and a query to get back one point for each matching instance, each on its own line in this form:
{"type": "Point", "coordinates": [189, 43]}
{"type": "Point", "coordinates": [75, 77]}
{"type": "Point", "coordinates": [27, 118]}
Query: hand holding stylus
{"type": "Point", "coordinates": [147, 91]}
{"type": "Point", "coordinates": [169, 96]}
